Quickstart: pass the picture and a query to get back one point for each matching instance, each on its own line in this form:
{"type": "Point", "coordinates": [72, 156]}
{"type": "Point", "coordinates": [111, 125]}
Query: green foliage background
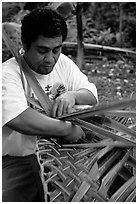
{"type": "Point", "coordinates": [115, 77]}
{"type": "Point", "coordinates": [101, 21]}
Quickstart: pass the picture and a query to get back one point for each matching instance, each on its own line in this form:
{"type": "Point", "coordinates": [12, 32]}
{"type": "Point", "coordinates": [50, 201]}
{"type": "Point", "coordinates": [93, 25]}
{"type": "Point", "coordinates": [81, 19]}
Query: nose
{"type": "Point", "coordinates": [49, 57]}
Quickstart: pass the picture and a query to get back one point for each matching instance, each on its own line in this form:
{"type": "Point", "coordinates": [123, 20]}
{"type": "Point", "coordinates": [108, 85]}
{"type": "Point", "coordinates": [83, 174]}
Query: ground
{"type": "Point", "coordinates": [114, 79]}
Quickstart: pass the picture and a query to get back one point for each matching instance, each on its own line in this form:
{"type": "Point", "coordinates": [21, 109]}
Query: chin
{"type": "Point", "coordinates": [45, 73]}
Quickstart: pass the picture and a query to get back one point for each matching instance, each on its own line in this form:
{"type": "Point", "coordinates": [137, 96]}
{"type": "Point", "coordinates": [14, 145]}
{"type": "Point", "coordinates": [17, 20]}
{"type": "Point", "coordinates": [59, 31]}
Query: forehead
{"type": "Point", "coordinates": [48, 42]}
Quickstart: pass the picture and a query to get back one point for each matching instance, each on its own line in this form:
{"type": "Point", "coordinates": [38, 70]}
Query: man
{"type": "Point", "coordinates": [43, 32]}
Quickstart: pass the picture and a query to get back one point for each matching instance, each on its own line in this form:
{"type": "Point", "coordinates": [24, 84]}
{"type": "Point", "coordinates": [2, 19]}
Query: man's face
{"type": "Point", "coordinates": [43, 54]}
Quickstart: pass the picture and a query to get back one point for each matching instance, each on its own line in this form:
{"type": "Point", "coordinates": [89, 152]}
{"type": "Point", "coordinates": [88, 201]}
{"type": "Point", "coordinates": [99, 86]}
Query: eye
{"type": "Point", "coordinates": [56, 50]}
{"type": "Point", "coordinates": [43, 50]}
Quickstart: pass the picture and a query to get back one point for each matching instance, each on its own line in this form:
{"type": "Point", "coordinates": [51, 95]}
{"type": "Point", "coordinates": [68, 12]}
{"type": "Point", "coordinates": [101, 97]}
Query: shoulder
{"type": "Point", "coordinates": [10, 66]}
{"type": "Point", "coordinates": [65, 60]}
{"type": "Point", "coordinates": [63, 57]}
{"type": "Point", "coordinates": [65, 63]}
{"type": "Point", "coordinates": [11, 61]}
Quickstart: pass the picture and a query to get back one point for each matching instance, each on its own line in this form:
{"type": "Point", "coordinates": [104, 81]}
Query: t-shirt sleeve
{"type": "Point", "coordinates": [13, 97]}
{"type": "Point", "coordinates": [77, 80]}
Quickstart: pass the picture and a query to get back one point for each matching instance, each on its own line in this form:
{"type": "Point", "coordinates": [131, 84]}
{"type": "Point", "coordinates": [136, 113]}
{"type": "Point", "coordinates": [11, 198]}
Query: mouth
{"type": "Point", "coordinates": [45, 69]}
{"type": "Point", "coordinates": [47, 66]}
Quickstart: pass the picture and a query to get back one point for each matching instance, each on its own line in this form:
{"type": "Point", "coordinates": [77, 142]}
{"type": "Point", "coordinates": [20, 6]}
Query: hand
{"type": "Point", "coordinates": [63, 104]}
{"type": "Point", "coordinates": [75, 134]}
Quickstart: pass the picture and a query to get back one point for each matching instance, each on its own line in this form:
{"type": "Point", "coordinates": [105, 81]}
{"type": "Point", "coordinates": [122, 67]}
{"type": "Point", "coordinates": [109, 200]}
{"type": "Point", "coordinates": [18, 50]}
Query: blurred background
{"type": "Point", "coordinates": [101, 41]}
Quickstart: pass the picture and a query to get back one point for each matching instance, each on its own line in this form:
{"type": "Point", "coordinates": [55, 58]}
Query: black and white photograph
{"type": "Point", "coordinates": [69, 101]}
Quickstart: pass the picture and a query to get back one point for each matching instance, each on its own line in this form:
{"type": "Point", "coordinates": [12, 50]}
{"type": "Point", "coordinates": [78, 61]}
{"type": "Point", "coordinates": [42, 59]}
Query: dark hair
{"type": "Point", "coordinates": [42, 21]}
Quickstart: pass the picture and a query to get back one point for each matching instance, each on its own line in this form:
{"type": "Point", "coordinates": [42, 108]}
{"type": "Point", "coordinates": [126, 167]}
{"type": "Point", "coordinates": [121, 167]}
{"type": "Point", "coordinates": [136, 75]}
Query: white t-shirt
{"type": "Point", "coordinates": [14, 102]}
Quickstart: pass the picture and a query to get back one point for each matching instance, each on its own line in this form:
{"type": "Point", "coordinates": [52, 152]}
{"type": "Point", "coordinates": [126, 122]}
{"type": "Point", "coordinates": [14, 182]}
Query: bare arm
{"type": "Point", "coordinates": [64, 103]}
{"type": "Point", "coordinates": [33, 123]}
{"type": "Point", "coordinates": [83, 97]}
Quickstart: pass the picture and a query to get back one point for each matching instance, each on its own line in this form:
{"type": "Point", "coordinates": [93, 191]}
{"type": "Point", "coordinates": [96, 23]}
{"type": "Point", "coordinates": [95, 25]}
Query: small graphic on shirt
{"type": "Point", "coordinates": [52, 91]}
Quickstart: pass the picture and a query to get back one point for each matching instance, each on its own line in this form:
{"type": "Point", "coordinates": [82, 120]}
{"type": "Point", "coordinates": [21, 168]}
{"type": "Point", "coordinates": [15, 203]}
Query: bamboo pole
{"type": "Point", "coordinates": [98, 47]}
{"type": "Point", "coordinates": [80, 49]}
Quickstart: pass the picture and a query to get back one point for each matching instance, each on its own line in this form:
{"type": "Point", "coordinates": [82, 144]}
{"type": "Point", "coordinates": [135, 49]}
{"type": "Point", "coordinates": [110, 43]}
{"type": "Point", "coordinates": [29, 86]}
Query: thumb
{"type": "Point", "coordinates": [84, 135]}
{"type": "Point", "coordinates": [70, 108]}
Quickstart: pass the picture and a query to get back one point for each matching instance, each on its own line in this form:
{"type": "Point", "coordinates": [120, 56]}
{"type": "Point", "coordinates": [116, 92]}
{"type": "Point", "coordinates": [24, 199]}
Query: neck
{"type": "Point", "coordinates": [27, 61]}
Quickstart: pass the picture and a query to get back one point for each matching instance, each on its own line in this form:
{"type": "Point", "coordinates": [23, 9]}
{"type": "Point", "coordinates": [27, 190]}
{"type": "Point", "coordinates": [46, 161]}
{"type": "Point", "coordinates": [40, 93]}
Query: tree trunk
{"type": "Point", "coordinates": [120, 23]}
{"type": "Point", "coordinates": [80, 51]}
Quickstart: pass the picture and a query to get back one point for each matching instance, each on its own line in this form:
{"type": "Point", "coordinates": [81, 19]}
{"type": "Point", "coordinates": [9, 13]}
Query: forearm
{"type": "Point", "coordinates": [84, 97]}
{"type": "Point", "coordinates": [32, 123]}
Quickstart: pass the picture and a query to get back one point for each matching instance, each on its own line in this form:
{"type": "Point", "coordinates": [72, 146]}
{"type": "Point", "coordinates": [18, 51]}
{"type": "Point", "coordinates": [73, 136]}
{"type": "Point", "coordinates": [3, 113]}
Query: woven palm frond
{"type": "Point", "coordinates": [91, 174]}
{"type": "Point", "coordinates": [99, 168]}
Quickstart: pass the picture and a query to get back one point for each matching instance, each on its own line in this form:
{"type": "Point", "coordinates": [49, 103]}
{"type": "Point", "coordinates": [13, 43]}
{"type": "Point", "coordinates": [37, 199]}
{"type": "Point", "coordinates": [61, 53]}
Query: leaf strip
{"type": "Point", "coordinates": [103, 131]}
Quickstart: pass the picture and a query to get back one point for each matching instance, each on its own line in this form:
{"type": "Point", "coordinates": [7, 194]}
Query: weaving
{"type": "Point", "coordinates": [96, 169]}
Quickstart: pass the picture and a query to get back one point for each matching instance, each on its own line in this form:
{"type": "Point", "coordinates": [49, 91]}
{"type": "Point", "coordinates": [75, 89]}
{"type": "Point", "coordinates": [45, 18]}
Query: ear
{"type": "Point", "coordinates": [25, 47]}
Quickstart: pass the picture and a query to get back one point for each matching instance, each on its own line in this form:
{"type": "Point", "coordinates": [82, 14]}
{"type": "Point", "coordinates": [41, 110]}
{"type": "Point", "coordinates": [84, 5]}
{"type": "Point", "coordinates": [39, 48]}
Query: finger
{"type": "Point", "coordinates": [60, 108]}
{"type": "Point", "coordinates": [65, 108]}
{"type": "Point", "coordinates": [84, 135]}
{"type": "Point", "coordinates": [54, 109]}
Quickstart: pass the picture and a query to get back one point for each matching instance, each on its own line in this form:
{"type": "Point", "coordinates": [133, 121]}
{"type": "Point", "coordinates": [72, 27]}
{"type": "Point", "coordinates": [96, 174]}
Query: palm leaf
{"type": "Point", "coordinates": [101, 109]}
{"type": "Point", "coordinates": [24, 67]}
{"type": "Point", "coordinates": [102, 143]}
{"type": "Point", "coordinates": [96, 168]}
{"type": "Point", "coordinates": [104, 132]}
{"type": "Point", "coordinates": [118, 126]}
{"type": "Point", "coordinates": [122, 113]}
{"type": "Point", "coordinates": [81, 171]}
{"type": "Point", "coordinates": [109, 178]}
{"type": "Point", "coordinates": [125, 191]}
{"type": "Point", "coordinates": [86, 183]}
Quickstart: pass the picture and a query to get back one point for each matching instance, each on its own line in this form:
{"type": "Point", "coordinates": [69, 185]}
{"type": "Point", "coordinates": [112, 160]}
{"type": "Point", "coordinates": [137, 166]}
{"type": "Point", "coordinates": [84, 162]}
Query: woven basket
{"type": "Point", "coordinates": [93, 170]}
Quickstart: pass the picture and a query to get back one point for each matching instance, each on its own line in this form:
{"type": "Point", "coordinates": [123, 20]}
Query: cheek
{"type": "Point", "coordinates": [56, 57]}
{"type": "Point", "coordinates": [35, 57]}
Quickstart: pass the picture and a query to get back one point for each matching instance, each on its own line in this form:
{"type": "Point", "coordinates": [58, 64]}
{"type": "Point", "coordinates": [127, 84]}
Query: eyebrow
{"type": "Point", "coordinates": [44, 47]}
